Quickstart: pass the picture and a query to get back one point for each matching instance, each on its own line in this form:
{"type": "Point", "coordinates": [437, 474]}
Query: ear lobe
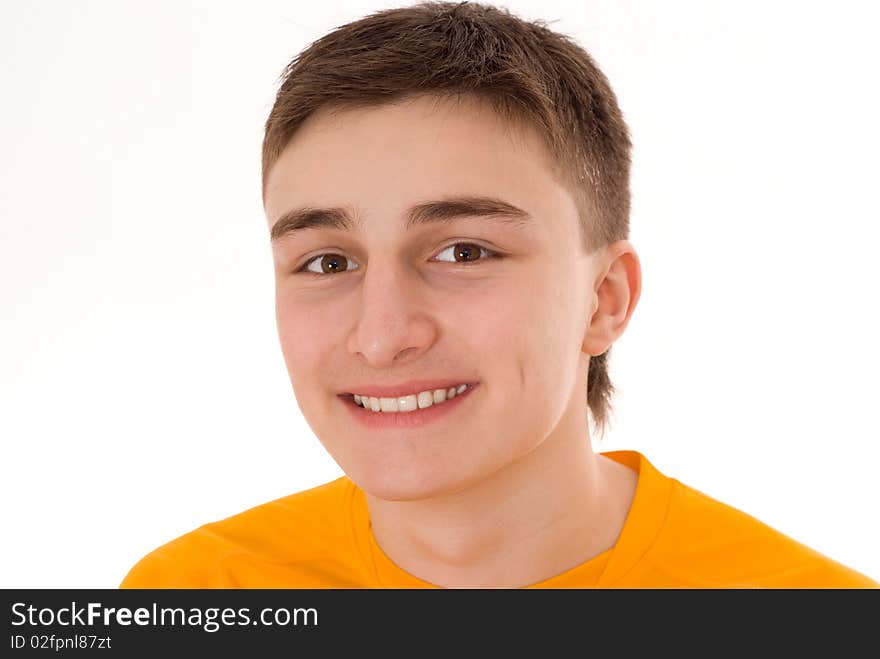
{"type": "Point", "coordinates": [617, 293]}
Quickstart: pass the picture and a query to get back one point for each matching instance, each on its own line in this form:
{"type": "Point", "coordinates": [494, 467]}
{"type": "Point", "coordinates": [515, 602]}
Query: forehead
{"type": "Point", "coordinates": [386, 158]}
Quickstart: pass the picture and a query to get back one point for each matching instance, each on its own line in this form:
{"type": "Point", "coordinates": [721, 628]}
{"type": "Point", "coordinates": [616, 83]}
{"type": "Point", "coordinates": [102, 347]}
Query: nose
{"type": "Point", "coordinates": [394, 326]}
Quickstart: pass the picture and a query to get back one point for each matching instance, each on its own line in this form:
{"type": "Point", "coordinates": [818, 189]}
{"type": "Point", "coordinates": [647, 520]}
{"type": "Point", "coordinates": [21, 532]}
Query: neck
{"type": "Point", "coordinates": [552, 509]}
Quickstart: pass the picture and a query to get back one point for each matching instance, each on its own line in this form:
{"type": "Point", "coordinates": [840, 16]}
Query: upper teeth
{"type": "Point", "coordinates": [409, 402]}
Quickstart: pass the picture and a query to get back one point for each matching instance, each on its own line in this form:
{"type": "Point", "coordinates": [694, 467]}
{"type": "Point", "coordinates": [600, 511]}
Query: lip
{"type": "Point", "coordinates": [416, 419]}
{"type": "Point", "coordinates": [406, 388]}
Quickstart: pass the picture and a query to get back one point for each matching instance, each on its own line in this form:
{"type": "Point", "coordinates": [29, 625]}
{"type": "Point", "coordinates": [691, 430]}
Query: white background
{"type": "Point", "coordinates": [142, 388]}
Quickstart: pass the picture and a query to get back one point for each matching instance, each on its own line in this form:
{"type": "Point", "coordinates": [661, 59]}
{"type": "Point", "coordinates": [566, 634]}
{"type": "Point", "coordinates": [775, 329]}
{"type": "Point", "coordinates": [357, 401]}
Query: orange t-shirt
{"type": "Point", "coordinates": [674, 537]}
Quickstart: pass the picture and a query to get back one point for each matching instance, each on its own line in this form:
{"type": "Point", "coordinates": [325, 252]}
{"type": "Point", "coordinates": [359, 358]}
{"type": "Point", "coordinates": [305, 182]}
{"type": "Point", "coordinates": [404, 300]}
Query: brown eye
{"type": "Point", "coordinates": [467, 252]}
{"type": "Point", "coordinates": [333, 263]}
{"type": "Point", "coordinates": [328, 264]}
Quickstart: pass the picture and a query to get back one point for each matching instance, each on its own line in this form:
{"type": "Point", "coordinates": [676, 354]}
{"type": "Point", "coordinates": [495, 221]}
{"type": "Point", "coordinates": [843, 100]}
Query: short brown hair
{"type": "Point", "coordinates": [527, 73]}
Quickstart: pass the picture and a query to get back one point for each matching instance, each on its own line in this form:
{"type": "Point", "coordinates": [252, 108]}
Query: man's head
{"type": "Point", "coordinates": [466, 105]}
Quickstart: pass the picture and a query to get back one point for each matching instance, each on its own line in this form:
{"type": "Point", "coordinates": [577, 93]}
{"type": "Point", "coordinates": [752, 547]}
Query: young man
{"type": "Point", "coordinates": [447, 191]}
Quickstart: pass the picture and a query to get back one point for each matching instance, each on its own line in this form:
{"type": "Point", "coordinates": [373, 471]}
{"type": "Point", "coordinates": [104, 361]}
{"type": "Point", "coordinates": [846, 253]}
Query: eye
{"type": "Point", "coordinates": [468, 252]}
{"type": "Point", "coordinates": [462, 253]}
{"type": "Point", "coordinates": [328, 264]}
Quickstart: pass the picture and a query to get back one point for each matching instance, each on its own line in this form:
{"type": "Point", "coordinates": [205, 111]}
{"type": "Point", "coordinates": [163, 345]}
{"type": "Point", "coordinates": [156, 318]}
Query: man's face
{"type": "Point", "coordinates": [387, 304]}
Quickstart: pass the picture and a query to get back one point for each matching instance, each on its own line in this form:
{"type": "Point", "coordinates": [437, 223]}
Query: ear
{"type": "Point", "coordinates": [617, 287]}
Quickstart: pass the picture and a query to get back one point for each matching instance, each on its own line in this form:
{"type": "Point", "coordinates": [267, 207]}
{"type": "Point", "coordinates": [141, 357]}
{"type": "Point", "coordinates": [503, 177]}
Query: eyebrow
{"type": "Point", "coordinates": [441, 211]}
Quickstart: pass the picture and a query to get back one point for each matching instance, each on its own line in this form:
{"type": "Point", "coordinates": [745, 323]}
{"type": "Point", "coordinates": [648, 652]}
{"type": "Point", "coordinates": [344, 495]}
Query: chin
{"type": "Point", "coordinates": [403, 484]}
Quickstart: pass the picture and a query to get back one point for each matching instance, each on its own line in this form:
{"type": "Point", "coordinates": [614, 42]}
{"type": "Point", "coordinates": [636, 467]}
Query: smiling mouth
{"type": "Point", "coordinates": [411, 402]}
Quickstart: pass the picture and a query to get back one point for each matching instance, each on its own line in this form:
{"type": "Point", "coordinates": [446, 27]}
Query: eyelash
{"type": "Point", "coordinates": [492, 255]}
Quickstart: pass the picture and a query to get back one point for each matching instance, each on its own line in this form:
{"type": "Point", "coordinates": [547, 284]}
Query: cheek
{"type": "Point", "coordinates": [303, 335]}
{"type": "Point", "coordinates": [492, 323]}
{"type": "Point", "coordinates": [534, 319]}
{"type": "Point", "coordinates": [534, 334]}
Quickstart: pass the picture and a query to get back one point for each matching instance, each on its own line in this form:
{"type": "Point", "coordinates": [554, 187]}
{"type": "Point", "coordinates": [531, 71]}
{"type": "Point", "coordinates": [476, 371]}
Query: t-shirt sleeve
{"type": "Point", "coordinates": [191, 561]}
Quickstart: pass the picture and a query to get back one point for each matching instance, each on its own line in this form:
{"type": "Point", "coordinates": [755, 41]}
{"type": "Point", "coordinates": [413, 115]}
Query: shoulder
{"type": "Point", "coordinates": [295, 529]}
{"type": "Point", "coordinates": [706, 542]}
